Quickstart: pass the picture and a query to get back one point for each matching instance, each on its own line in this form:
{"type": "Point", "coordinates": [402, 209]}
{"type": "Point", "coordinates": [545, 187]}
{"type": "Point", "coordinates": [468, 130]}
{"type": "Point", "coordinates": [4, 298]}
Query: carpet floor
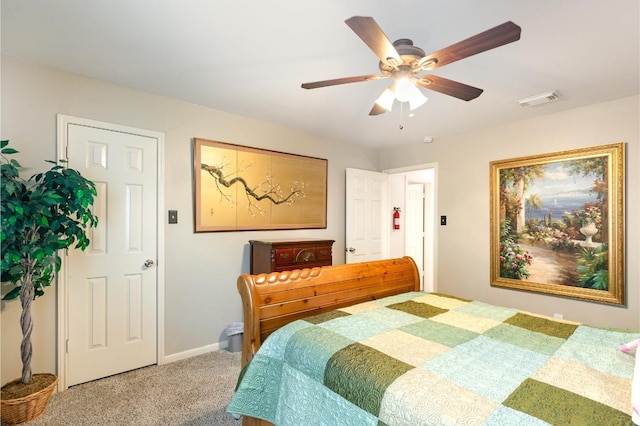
{"type": "Point", "coordinates": [192, 392]}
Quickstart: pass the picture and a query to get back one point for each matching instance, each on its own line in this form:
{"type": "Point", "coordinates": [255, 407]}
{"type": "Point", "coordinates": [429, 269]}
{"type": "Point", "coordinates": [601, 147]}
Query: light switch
{"type": "Point", "coordinates": [443, 220]}
{"type": "Point", "coordinates": [173, 216]}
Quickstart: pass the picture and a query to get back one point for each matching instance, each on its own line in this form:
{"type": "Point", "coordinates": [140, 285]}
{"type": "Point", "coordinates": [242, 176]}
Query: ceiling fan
{"type": "Point", "coordinates": [403, 62]}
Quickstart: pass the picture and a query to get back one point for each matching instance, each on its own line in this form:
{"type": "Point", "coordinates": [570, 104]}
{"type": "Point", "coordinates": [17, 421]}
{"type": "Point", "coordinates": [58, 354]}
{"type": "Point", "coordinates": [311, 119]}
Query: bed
{"type": "Point", "coordinates": [359, 344]}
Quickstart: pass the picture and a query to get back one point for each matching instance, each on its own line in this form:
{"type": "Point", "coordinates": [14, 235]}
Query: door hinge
{"type": "Point", "coordinates": [66, 346]}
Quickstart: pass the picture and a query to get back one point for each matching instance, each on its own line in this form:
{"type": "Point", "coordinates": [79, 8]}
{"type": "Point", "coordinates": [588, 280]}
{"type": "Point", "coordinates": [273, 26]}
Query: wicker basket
{"type": "Point", "coordinates": [21, 410]}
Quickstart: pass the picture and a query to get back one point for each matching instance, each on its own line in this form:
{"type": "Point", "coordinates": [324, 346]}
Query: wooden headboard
{"type": "Point", "coordinates": [273, 300]}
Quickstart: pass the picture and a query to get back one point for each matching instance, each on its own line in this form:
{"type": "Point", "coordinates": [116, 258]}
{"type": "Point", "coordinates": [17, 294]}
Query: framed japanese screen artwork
{"type": "Point", "coordinates": [240, 188]}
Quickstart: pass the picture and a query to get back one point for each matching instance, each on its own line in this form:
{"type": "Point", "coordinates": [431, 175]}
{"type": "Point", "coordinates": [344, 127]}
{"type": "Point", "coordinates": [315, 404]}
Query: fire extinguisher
{"type": "Point", "coordinates": [396, 218]}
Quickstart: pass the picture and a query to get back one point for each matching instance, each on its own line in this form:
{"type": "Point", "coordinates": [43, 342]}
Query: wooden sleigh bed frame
{"type": "Point", "coordinates": [272, 300]}
{"type": "Point", "coordinates": [416, 355]}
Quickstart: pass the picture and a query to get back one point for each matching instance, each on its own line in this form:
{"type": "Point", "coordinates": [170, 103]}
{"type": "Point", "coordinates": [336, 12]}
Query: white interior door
{"type": "Point", "coordinates": [366, 206]}
{"type": "Point", "coordinates": [112, 286]}
{"type": "Point", "coordinates": [414, 234]}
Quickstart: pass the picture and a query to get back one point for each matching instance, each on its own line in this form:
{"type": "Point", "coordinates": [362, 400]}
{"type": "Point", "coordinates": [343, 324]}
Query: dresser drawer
{"type": "Point", "coordinates": [283, 256]}
{"type": "Point", "coordinates": [323, 252]}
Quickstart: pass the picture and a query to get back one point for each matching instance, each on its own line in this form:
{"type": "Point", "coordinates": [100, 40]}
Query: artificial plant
{"type": "Point", "coordinates": [40, 215]}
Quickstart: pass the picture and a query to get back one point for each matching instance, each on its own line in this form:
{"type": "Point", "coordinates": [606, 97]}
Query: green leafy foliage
{"type": "Point", "coordinates": [48, 212]}
{"type": "Point", "coordinates": [593, 267]}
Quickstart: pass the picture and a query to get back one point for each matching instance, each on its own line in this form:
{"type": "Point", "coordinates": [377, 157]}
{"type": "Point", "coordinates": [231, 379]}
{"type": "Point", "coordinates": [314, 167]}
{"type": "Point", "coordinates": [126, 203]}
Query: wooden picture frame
{"type": "Point", "coordinates": [557, 223]}
{"type": "Point", "coordinates": [240, 188]}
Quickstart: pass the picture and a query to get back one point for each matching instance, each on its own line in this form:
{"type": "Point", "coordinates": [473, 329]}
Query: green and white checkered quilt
{"type": "Point", "coordinates": [430, 359]}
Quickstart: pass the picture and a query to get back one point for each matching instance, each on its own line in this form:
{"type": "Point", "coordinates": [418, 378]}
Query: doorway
{"type": "Point", "coordinates": [110, 296]}
{"type": "Point", "coordinates": [413, 190]}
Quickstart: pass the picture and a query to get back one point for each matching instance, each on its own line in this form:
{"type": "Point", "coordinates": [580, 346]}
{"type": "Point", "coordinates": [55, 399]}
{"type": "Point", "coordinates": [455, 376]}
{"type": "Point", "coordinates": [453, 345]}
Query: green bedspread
{"type": "Point", "coordinates": [429, 359]}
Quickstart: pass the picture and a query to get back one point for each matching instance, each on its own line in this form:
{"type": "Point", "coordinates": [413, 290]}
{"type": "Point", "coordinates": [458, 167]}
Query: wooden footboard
{"type": "Point", "coordinates": [273, 300]}
{"type": "Point", "coordinates": [250, 421]}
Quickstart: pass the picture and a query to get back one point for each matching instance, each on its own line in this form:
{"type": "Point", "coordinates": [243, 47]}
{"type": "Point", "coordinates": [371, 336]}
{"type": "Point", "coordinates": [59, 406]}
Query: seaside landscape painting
{"type": "Point", "coordinates": [555, 221]}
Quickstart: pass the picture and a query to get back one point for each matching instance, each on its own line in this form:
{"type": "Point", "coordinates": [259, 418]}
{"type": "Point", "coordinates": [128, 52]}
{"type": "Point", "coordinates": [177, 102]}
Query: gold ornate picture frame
{"type": "Point", "coordinates": [557, 223]}
{"type": "Point", "coordinates": [239, 188]}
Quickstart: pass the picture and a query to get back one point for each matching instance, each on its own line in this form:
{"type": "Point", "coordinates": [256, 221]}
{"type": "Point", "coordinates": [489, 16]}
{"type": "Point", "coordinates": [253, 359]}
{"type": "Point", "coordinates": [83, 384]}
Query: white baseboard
{"type": "Point", "coordinates": [194, 352]}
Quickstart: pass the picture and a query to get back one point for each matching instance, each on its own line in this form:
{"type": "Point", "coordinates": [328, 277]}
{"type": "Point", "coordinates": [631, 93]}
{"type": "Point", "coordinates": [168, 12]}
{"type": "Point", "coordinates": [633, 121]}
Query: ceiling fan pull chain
{"type": "Point", "coordinates": [401, 108]}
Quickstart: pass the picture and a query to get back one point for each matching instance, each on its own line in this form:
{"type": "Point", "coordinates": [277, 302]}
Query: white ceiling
{"type": "Point", "coordinates": [250, 57]}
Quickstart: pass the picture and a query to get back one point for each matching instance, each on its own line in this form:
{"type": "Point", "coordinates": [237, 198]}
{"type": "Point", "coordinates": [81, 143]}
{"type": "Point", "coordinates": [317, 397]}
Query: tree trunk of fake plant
{"type": "Point", "coordinates": [26, 350]}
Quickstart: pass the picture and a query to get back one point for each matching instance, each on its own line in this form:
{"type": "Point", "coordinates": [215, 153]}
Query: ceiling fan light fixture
{"type": "Point", "coordinates": [386, 99]}
{"type": "Point", "coordinates": [417, 100]}
{"type": "Point", "coordinates": [404, 89]}
{"type": "Point", "coordinates": [402, 60]}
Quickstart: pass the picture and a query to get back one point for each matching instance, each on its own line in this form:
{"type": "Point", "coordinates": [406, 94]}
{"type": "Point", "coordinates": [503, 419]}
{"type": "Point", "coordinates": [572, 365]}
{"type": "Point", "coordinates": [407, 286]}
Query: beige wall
{"type": "Point", "coordinates": [463, 196]}
{"type": "Point", "coordinates": [201, 269]}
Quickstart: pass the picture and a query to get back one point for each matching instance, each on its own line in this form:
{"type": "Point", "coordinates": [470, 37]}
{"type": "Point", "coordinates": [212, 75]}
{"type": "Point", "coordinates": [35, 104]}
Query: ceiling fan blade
{"type": "Point", "coordinates": [368, 30]}
{"type": "Point", "coordinates": [377, 110]}
{"type": "Point", "coordinates": [487, 40]}
{"type": "Point", "coordinates": [449, 87]}
{"type": "Point", "coordinates": [345, 80]}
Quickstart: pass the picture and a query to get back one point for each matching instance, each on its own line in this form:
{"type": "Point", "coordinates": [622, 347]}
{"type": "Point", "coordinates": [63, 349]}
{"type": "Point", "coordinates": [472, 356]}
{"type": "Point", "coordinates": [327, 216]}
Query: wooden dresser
{"type": "Point", "coordinates": [285, 255]}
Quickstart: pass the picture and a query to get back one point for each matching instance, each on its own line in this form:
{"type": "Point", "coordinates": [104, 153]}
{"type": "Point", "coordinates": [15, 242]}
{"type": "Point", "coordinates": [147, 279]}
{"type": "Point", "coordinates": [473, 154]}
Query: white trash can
{"type": "Point", "coordinates": [234, 333]}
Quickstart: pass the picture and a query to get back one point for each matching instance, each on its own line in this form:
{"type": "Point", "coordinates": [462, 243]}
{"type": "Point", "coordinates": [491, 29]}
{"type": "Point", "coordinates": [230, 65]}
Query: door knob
{"type": "Point", "coordinates": [148, 263]}
{"type": "Point", "coordinates": [351, 250]}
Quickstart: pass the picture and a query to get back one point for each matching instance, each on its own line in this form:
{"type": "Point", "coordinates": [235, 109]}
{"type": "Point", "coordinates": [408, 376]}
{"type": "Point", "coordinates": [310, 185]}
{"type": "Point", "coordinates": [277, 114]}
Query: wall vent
{"type": "Point", "coordinates": [539, 99]}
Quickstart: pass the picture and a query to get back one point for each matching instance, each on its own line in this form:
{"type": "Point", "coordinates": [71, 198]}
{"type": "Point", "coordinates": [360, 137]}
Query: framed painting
{"type": "Point", "coordinates": [239, 188]}
{"type": "Point", "coordinates": [557, 223]}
